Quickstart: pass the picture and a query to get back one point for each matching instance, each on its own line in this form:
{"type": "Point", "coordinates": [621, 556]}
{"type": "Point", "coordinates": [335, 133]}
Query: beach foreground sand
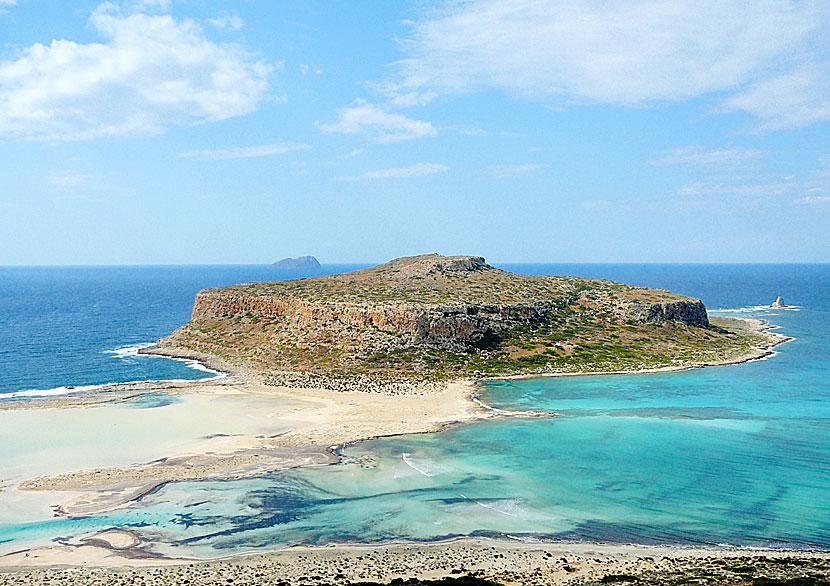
{"type": "Point", "coordinates": [110, 559]}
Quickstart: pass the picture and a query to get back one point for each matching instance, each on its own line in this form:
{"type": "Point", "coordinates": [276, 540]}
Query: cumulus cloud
{"type": "Point", "coordinates": [768, 56]}
{"type": "Point", "coordinates": [419, 170]}
{"type": "Point", "coordinates": [362, 117]}
{"type": "Point", "coordinates": [263, 150]}
{"type": "Point", "coordinates": [151, 71]}
{"type": "Point", "coordinates": [695, 155]}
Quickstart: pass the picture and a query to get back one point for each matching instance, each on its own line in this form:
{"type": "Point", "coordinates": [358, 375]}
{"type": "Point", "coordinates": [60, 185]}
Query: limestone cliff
{"type": "Point", "coordinates": [435, 312]}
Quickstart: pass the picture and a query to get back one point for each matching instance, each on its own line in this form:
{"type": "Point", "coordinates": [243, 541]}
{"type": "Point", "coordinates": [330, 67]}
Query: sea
{"type": "Point", "coordinates": [734, 455]}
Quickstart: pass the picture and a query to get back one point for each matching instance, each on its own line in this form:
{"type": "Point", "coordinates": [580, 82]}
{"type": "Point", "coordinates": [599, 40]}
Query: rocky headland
{"type": "Point", "coordinates": [434, 317]}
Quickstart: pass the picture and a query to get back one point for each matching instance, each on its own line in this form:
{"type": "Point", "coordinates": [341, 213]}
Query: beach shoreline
{"type": "Point", "coordinates": [113, 556]}
{"type": "Point", "coordinates": [330, 421]}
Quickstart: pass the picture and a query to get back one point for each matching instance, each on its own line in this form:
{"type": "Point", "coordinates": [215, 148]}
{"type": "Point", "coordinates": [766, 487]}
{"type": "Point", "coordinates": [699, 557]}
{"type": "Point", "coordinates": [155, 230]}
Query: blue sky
{"type": "Point", "coordinates": [155, 132]}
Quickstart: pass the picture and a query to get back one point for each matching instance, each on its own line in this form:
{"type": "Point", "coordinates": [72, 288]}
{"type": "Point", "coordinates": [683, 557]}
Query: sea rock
{"type": "Point", "coordinates": [305, 264]}
{"type": "Point", "coordinates": [779, 302]}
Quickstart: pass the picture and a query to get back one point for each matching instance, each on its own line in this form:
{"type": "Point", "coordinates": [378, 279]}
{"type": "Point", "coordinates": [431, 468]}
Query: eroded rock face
{"type": "Point", "coordinates": [692, 313]}
{"type": "Point", "coordinates": [466, 263]}
{"type": "Point", "coordinates": [455, 327]}
{"type": "Point", "coordinates": [432, 315]}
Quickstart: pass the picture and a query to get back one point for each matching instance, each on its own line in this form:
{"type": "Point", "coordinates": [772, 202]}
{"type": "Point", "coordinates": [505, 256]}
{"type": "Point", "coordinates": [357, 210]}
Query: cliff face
{"type": "Point", "coordinates": [691, 312]}
{"type": "Point", "coordinates": [458, 323]}
{"type": "Point", "coordinates": [433, 316]}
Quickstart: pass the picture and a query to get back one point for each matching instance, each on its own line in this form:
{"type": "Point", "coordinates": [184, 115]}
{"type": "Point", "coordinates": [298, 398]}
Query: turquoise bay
{"type": "Point", "coordinates": [735, 455]}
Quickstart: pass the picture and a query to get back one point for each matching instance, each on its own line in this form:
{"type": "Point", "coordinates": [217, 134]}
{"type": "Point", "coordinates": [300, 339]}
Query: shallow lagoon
{"type": "Point", "coordinates": [737, 455]}
{"type": "Point", "coordinates": [53, 441]}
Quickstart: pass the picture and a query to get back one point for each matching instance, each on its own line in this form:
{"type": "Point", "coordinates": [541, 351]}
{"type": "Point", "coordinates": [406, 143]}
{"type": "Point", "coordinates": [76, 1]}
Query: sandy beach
{"type": "Point", "coordinates": [303, 427]}
{"type": "Point", "coordinates": [110, 558]}
{"type": "Point", "coordinates": [306, 433]}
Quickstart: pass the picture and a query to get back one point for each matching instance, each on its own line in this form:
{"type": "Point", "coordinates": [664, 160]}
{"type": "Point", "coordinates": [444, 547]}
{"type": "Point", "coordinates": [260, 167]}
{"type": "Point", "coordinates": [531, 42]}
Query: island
{"type": "Point", "coordinates": [314, 364]}
{"type": "Point", "coordinates": [307, 265]}
{"type": "Point", "coordinates": [433, 318]}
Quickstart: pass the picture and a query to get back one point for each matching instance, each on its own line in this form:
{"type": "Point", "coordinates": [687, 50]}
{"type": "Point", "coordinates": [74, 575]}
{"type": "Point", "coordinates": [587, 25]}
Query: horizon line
{"type": "Point", "coordinates": [375, 263]}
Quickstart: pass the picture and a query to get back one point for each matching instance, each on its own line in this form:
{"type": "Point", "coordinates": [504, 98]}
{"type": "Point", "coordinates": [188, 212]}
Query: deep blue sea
{"type": "Point", "coordinates": [734, 455]}
{"type": "Point", "coordinates": [78, 326]}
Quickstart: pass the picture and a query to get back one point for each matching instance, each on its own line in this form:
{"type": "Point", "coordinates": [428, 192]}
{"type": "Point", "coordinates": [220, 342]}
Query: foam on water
{"type": "Point", "coordinates": [130, 351]}
{"type": "Point", "coordinates": [756, 309]}
{"type": "Point", "coordinates": [133, 351]}
{"type": "Point", "coordinates": [33, 393]}
{"type": "Point", "coordinates": [422, 465]}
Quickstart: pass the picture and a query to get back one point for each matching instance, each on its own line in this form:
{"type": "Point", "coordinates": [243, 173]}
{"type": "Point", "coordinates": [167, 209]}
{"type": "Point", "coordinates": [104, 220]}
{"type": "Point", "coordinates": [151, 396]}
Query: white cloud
{"type": "Point", "coordinates": [419, 170]}
{"type": "Point", "coordinates": [473, 131]}
{"type": "Point", "coordinates": [151, 72]}
{"type": "Point", "coordinates": [68, 179]}
{"type": "Point", "coordinates": [627, 52]}
{"type": "Point", "coordinates": [507, 171]}
{"type": "Point", "coordinates": [227, 22]}
{"type": "Point", "coordinates": [695, 155]}
{"type": "Point", "coordinates": [758, 186]}
{"type": "Point", "coordinates": [735, 189]}
{"type": "Point", "coordinates": [362, 117]}
{"type": "Point", "coordinates": [813, 199]}
{"type": "Point", "coordinates": [305, 69]}
{"type": "Point", "coordinates": [793, 99]}
{"type": "Point", "coordinates": [263, 150]}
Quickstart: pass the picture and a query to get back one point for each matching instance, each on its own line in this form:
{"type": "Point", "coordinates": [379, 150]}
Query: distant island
{"type": "Point", "coordinates": [300, 264]}
{"type": "Point", "coordinates": [448, 317]}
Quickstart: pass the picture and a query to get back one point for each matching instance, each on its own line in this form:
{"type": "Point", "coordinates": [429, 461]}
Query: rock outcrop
{"type": "Point", "coordinates": [778, 303]}
{"type": "Point", "coordinates": [690, 312]}
{"type": "Point", "coordinates": [456, 304]}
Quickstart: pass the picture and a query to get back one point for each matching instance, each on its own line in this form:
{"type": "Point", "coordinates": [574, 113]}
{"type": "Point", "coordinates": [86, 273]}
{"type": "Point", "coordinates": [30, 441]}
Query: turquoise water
{"type": "Point", "coordinates": [737, 454]}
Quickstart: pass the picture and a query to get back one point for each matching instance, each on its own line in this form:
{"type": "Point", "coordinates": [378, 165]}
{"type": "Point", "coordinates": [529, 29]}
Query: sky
{"type": "Point", "coordinates": [198, 132]}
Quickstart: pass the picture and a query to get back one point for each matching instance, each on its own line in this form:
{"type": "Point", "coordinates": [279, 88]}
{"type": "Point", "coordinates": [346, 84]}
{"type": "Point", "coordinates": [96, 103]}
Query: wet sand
{"type": "Point", "coordinates": [301, 428]}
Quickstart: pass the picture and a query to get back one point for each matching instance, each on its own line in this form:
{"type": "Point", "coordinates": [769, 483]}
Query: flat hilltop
{"type": "Point", "coordinates": [434, 317]}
